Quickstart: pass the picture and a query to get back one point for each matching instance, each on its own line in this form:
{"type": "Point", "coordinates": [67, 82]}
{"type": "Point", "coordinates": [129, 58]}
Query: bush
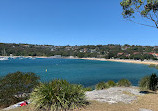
{"type": "Point", "coordinates": [58, 95]}
{"type": "Point", "coordinates": [88, 89]}
{"type": "Point", "coordinates": [111, 83]}
{"type": "Point", "coordinates": [149, 83]}
{"type": "Point", "coordinates": [124, 82]}
{"type": "Point", "coordinates": [15, 87]}
{"type": "Point", "coordinates": [154, 66]}
{"type": "Point", "coordinates": [144, 83]}
{"type": "Point", "coordinates": [153, 82]}
{"type": "Point", "coordinates": [101, 85]}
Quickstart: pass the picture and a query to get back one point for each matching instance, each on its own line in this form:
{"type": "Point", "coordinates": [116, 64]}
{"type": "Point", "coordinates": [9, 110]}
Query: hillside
{"type": "Point", "coordinates": [100, 51]}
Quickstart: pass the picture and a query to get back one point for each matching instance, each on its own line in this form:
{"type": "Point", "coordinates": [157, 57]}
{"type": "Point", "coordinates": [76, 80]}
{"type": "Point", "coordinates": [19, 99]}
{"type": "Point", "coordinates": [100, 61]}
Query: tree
{"type": "Point", "coordinates": [147, 9]}
{"type": "Point", "coordinates": [15, 87]}
{"type": "Point", "coordinates": [153, 82]}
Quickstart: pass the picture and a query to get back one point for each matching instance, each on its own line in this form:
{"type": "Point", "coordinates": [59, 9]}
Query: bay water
{"type": "Point", "coordinates": [85, 72]}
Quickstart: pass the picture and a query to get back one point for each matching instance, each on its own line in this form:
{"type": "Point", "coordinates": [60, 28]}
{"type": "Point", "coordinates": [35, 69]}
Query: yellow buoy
{"type": "Point", "coordinates": [46, 70]}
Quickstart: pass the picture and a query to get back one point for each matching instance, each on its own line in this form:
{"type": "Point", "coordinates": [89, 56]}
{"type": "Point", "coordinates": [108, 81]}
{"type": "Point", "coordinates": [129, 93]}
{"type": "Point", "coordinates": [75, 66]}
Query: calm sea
{"type": "Point", "coordinates": [85, 72]}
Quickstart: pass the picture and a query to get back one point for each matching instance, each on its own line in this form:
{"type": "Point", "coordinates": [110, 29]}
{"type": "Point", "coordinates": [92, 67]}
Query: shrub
{"type": "Point", "coordinates": [149, 82]}
{"type": "Point", "coordinates": [111, 83]}
{"type": "Point", "coordinates": [88, 89]}
{"type": "Point", "coordinates": [124, 82]}
{"type": "Point", "coordinates": [144, 83]}
{"type": "Point", "coordinates": [153, 82]}
{"type": "Point", "coordinates": [15, 87]}
{"type": "Point", "coordinates": [58, 95]}
{"type": "Point", "coordinates": [101, 85]}
{"type": "Point", "coordinates": [154, 66]}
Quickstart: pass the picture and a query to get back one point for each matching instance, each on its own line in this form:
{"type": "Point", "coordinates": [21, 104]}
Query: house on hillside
{"type": "Point", "coordinates": [155, 47]}
{"type": "Point", "coordinates": [155, 55]}
{"type": "Point", "coordinates": [119, 54]}
{"type": "Point", "coordinates": [135, 53]}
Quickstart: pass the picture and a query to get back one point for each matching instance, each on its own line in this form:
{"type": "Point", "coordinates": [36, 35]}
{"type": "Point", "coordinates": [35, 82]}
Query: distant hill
{"type": "Point", "coordinates": [100, 51]}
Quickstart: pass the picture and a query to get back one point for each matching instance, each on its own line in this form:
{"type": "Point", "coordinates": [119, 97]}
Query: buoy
{"type": "Point", "coordinates": [46, 70]}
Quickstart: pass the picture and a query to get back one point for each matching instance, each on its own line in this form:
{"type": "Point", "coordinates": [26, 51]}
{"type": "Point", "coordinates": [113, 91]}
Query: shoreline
{"type": "Point", "coordinates": [147, 62]}
{"type": "Point", "coordinates": [26, 56]}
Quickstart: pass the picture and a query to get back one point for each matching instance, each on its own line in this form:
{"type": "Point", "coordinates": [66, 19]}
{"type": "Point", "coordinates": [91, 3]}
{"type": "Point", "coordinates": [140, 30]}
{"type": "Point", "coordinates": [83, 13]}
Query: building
{"type": "Point", "coordinates": [119, 54]}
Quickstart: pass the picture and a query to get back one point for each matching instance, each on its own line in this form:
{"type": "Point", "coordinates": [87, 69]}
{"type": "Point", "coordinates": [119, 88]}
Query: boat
{"type": "Point", "coordinates": [3, 58]}
{"type": "Point", "coordinates": [31, 58]}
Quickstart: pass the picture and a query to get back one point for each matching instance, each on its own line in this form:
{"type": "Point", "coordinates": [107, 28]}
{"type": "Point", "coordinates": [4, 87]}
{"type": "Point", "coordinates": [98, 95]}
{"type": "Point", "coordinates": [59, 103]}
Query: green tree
{"type": "Point", "coordinates": [153, 82]}
{"type": "Point", "coordinates": [147, 9]}
{"type": "Point", "coordinates": [15, 87]}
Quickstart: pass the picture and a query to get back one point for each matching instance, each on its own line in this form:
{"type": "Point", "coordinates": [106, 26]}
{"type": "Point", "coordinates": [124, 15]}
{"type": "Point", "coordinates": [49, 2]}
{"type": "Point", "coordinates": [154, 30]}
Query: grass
{"type": "Point", "coordinates": [148, 101]}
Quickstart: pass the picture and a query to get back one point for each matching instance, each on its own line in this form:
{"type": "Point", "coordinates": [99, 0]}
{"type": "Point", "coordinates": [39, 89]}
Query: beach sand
{"type": "Point", "coordinates": [147, 62]}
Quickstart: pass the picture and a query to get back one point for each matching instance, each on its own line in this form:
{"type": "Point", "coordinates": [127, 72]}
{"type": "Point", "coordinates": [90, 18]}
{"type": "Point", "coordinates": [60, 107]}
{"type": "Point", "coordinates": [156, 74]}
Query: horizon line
{"type": "Point", "coordinates": [75, 45]}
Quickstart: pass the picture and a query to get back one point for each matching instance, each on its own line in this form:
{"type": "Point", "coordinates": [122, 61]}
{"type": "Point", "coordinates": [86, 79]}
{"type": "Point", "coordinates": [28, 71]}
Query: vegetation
{"type": "Point", "coordinates": [15, 87]}
{"type": "Point", "coordinates": [144, 83]}
{"type": "Point", "coordinates": [124, 82]}
{"type": "Point", "coordinates": [153, 82]}
{"type": "Point", "coordinates": [101, 86]}
{"type": "Point", "coordinates": [58, 95]}
{"type": "Point", "coordinates": [149, 82]}
{"type": "Point", "coordinates": [88, 89]}
{"type": "Point", "coordinates": [111, 83]}
{"type": "Point", "coordinates": [154, 66]}
{"type": "Point", "coordinates": [147, 9]}
{"type": "Point", "coordinates": [101, 51]}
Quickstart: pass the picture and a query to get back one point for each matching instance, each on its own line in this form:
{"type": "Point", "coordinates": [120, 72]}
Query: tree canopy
{"type": "Point", "coordinates": [15, 87]}
{"type": "Point", "coordinates": [146, 9]}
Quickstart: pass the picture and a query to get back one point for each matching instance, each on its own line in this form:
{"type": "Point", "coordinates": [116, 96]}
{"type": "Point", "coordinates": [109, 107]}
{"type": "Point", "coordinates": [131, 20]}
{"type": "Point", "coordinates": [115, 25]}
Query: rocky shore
{"type": "Point", "coordinates": [115, 95]}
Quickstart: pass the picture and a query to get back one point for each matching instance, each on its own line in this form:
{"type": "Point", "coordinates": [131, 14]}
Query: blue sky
{"type": "Point", "coordinates": [70, 22]}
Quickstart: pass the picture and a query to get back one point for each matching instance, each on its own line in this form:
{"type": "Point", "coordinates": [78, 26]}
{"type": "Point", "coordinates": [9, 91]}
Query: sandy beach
{"type": "Point", "coordinates": [147, 62]}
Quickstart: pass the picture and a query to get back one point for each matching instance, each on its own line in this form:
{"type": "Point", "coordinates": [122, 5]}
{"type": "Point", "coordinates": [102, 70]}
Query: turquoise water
{"type": "Point", "coordinates": [85, 72]}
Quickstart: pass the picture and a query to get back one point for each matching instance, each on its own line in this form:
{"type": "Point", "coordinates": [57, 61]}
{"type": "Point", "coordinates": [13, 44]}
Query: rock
{"type": "Point", "coordinates": [145, 110]}
{"type": "Point", "coordinates": [114, 95]}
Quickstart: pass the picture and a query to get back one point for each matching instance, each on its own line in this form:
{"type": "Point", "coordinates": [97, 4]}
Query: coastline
{"type": "Point", "coordinates": [25, 56]}
{"type": "Point", "coordinates": [147, 62]}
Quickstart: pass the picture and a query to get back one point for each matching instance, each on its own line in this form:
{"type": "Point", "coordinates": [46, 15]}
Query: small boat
{"type": "Point", "coordinates": [21, 57]}
{"type": "Point", "coordinates": [3, 58]}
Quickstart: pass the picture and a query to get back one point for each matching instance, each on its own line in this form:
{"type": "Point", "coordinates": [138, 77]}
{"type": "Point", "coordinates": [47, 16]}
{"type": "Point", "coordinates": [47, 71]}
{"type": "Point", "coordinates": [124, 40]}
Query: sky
{"type": "Point", "coordinates": [70, 22]}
